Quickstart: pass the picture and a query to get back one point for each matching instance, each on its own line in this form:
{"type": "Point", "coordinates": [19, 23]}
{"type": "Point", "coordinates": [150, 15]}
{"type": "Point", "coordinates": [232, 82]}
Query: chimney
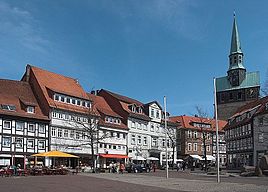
{"type": "Point", "coordinates": [27, 75]}
{"type": "Point", "coordinates": [76, 80]}
{"type": "Point", "coordinates": [93, 92]}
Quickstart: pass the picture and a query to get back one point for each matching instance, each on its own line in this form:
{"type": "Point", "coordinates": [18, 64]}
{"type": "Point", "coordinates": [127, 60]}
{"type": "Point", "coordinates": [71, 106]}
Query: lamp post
{"type": "Point", "coordinates": [166, 145]}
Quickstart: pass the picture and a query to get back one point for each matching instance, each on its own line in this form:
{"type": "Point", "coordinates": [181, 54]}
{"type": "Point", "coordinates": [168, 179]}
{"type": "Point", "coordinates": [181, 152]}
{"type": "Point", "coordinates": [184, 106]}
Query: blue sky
{"type": "Point", "coordinates": [143, 49]}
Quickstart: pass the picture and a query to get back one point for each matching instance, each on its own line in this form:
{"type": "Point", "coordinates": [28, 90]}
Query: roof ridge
{"type": "Point", "coordinates": [53, 72]}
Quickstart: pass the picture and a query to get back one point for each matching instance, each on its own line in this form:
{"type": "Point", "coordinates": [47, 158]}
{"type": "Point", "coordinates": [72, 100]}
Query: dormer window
{"type": "Point", "coordinates": [139, 110]}
{"type": "Point", "coordinates": [157, 114]}
{"type": "Point", "coordinates": [8, 107]}
{"type": "Point", "coordinates": [30, 109]}
{"type": "Point", "coordinates": [56, 97]}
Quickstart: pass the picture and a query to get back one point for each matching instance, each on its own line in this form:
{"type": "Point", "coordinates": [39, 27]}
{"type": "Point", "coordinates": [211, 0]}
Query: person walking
{"type": "Point", "coordinates": [122, 168]}
{"type": "Point", "coordinates": [154, 167]}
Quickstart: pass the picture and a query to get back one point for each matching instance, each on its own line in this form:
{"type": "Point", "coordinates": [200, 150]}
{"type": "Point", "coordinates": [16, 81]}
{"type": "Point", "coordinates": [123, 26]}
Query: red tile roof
{"type": "Point", "coordinates": [124, 98]}
{"type": "Point", "coordinates": [124, 102]}
{"type": "Point", "coordinates": [20, 95]}
{"type": "Point", "coordinates": [187, 122]}
{"type": "Point", "coordinates": [49, 81]}
{"type": "Point", "coordinates": [105, 110]}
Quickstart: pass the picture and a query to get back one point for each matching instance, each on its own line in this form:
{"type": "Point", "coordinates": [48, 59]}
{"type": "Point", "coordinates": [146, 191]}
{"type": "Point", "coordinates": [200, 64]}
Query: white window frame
{"type": "Point", "coordinates": [30, 109]}
{"type": "Point", "coordinates": [6, 141]}
{"type": "Point", "coordinates": [189, 147]}
{"type": "Point", "coordinates": [145, 140]}
{"type": "Point", "coordinates": [43, 146]}
{"type": "Point", "coordinates": [32, 130]}
{"type": "Point", "coordinates": [195, 146]}
{"type": "Point", "coordinates": [20, 123]}
{"type": "Point", "coordinates": [19, 142]}
{"type": "Point", "coordinates": [42, 128]}
{"type": "Point", "coordinates": [29, 141]}
{"type": "Point", "coordinates": [133, 139]}
{"type": "Point", "coordinates": [53, 132]}
{"type": "Point", "coordinates": [8, 122]}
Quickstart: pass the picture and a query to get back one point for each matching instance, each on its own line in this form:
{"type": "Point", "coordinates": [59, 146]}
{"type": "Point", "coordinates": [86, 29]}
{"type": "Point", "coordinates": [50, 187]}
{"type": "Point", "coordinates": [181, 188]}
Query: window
{"type": "Point", "coordinates": [41, 144]}
{"type": "Point", "coordinates": [157, 128]}
{"type": "Point", "coordinates": [163, 143]}
{"type": "Point", "coordinates": [139, 139]}
{"type": "Point", "coordinates": [68, 100]}
{"type": "Point", "coordinates": [7, 124]}
{"type": "Point", "coordinates": [60, 116]}
{"type": "Point", "coordinates": [139, 125]}
{"type": "Point", "coordinates": [6, 141]}
{"type": "Point", "coordinates": [30, 144]}
{"type": "Point", "coordinates": [157, 114]}
{"type": "Point", "coordinates": [83, 103]}
{"type": "Point", "coordinates": [83, 135]}
{"type": "Point", "coordinates": [72, 134]}
{"type": "Point", "coordinates": [133, 124]}
{"type": "Point", "coordinates": [19, 142]}
{"type": "Point", "coordinates": [154, 142]}
{"type": "Point", "coordinates": [66, 133]}
{"type": "Point", "coordinates": [56, 97]}
{"type": "Point", "coordinates": [239, 95]}
{"type": "Point", "coordinates": [152, 127]}
{"type": "Point", "coordinates": [133, 139]}
{"type": "Point", "coordinates": [73, 101]}
{"type": "Point", "coordinates": [78, 102]}
{"type": "Point", "coordinates": [208, 147]}
{"type": "Point", "coordinates": [42, 128]}
{"type": "Point", "coordinates": [30, 109]}
{"type": "Point", "coordinates": [77, 135]}
{"type": "Point", "coordinates": [152, 112]}
{"type": "Point", "coordinates": [189, 147]}
{"type": "Point", "coordinates": [114, 146]}
{"type": "Point", "coordinates": [145, 127]}
{"type": "Point", "coordinates": [19, 125]}
{"type": "Point", "coordinates": [31, 127]}
{"type": "Point", "coordinates": [195, 134]}
{"type": "Point", "coordinates": [261, 137]}
{"type": "Point", "coordinates": [54, 114]}
{"type": "Point", "coordinates": [53, 132]}
{"type": "Point", "coordinates": [88, 104]}
{"type": "Point", "coordinates": [231, 96]}
{"type": "Point", "coordinates": [195, 146]}
{"type": "Point", "coordinates": [8, 107]}
{"type": "Point", "coordinates": [59, 132]}
{"type": "Point", "coordinates": [145, 140]}
{"type": "Point", "coordinates": [189, 133]}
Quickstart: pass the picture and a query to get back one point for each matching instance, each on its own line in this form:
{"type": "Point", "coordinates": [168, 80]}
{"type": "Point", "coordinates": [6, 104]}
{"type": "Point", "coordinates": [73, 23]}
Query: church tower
{"type": "Point", "coordinates": [239, 87]}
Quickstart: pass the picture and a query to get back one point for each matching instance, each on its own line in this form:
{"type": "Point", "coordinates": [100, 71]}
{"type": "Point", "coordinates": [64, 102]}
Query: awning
{"type": "Point", "coordinates": [138, 158]}
{"type": "Point", "coordinates": [152, 158]}
{"type": "Point", "coordinates": [209, 158]}
{"type": "Point", "coordinates": [54, 154]}
{"type": "Point", "coordinates": [114, 156]}
{"type": "Point", "coordinates": [196, 157]}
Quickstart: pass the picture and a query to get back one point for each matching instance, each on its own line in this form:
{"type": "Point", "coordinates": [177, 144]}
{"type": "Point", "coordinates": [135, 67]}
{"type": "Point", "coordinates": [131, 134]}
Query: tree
{"type": "Point", "coordinates": [203, 115]}
{"type": "Point", "coordinates": [171, 134]}
{"type": "Point", "coordinates": [88, 123]}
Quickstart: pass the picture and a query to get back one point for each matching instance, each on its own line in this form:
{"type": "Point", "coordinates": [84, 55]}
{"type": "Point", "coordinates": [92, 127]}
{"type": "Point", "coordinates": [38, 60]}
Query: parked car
{"type": "Point", "coordinates": [137, 168]}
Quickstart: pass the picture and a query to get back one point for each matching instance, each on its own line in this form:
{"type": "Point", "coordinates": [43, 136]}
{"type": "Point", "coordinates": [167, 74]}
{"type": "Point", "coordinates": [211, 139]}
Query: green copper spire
{"type": "Point", "coordinates": [236, 54]}
{"type": "Point", "coordinates": [235, 43]}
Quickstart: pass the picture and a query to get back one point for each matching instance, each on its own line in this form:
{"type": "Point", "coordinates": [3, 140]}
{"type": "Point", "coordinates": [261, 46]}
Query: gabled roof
{"type": "Point", "coordinates": [124, 98]}
{"type": "Point", "coordinates": [187, 122]}
{"type": "Point", "coordinates": [104, 109]}
{"type": "Point", "coordinates": [152, 102]}
{"type": "Point", "coordinates": [52, 82]}
{"type": "Point", "coordinates": [259, 105]}
{"type": "Point", "coordinates": [124, 103]}
{"type": "Point", "coordinates": [101, 105]}
{"type": "Point", "coordinates": [20, 95]}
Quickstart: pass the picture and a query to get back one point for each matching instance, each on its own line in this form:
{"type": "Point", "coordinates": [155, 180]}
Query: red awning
{"type": "Point", "coordinates": [115, 156]}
